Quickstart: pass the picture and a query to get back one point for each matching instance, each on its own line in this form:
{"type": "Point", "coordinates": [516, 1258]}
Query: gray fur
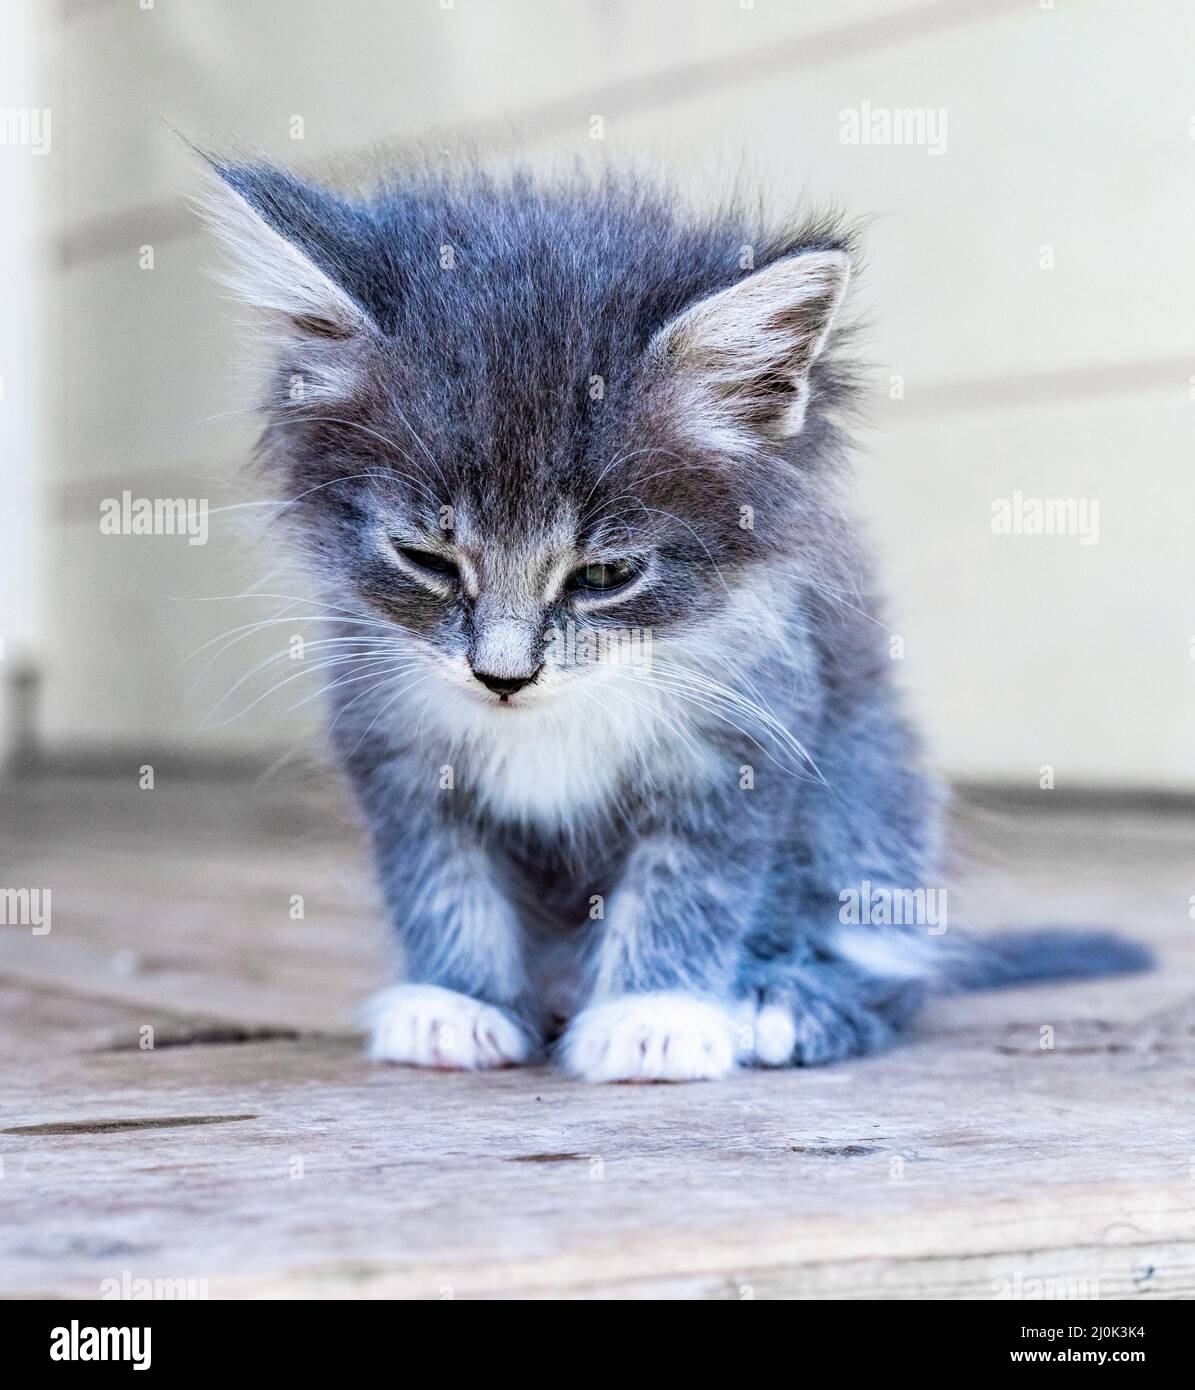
{"type": "Point", "coordinates": [461, 376]}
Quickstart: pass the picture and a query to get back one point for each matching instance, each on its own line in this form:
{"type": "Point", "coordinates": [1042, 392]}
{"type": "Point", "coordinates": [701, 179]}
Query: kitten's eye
{"type": "Point", "coordinates": [612, 575]}
{"type": "Point", "coordinates": [430, 560]}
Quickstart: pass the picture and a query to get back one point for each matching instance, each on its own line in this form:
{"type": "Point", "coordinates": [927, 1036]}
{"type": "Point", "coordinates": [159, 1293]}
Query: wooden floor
{"type": "Point", "coordinates": [253, 1148]}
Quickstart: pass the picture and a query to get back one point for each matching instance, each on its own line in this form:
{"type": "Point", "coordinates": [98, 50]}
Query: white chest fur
{"type": "Point", "coordinates": [571, 756]}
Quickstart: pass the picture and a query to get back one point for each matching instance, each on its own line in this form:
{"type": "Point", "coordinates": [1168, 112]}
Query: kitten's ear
{"type": "Point", "coordinates": [743, 356]}
{"type": "Point", "coordinates": [287, 243]}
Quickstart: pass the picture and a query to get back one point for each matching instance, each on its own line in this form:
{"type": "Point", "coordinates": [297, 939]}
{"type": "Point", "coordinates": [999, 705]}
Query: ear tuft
{"type": "Point", "coordinates": [743, 355]}
{"type": "Point", "coordinates": [281, 237]}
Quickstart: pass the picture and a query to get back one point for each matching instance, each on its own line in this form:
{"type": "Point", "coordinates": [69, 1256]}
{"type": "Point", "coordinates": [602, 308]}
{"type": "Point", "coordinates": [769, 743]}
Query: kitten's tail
{"type": "Point", "coordinates": [998, 959]}
{"type": "Point", "coordinates": [994, 960]}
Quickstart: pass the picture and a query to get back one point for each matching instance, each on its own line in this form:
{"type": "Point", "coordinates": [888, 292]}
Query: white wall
{"type": "Point", "coordinates": [1068, 127]}
{"type": "Point", "coordinates": [23, 164]}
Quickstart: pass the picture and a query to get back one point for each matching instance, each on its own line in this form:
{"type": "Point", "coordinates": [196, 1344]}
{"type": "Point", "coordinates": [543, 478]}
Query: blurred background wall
{"type": "Point", "coordinates": [1029, 279]}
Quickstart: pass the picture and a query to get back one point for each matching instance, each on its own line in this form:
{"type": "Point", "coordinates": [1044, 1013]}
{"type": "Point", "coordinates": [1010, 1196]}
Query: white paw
{"type": "Point", "coordinates": [426, 1026]}
{"type": "Point", "coordinates": [775, 1036]}
{"type": "Point", "coordinates": [650, 1037]}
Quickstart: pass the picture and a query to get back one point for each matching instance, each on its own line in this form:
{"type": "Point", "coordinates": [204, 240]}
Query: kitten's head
{"type": "Point", "coordinates": [508, 413]}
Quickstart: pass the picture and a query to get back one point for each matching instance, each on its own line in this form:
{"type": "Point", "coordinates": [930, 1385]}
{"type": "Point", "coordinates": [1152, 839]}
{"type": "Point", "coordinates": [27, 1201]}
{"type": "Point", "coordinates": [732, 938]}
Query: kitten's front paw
{"type": "Point", "coordinates": [650, 1037]}
{"type": "Point", "coordinates": [426, 1026]}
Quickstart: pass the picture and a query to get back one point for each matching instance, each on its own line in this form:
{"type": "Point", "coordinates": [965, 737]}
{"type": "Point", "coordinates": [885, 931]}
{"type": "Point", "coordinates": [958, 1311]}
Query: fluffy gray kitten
{"type": "Point", "coordinates": [613, 695]}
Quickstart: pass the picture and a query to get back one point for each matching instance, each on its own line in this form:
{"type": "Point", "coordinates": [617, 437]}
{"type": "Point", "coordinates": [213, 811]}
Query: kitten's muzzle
{"type": "Point", "coordinates": [506, 685]}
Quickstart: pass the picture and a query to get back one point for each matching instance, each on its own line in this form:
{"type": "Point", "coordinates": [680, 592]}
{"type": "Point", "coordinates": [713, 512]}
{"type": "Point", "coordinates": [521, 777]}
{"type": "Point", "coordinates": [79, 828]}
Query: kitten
{"type": "Point", "coordinates": [615, 701]}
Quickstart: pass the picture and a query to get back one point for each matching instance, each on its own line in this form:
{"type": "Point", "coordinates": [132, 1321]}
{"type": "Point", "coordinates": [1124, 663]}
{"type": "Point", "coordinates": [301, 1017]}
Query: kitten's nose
{"type": "Point", "coordinates": [505, 685]}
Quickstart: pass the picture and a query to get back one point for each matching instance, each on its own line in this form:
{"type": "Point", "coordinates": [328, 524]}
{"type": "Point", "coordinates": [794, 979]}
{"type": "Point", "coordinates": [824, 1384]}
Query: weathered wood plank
{"type": "Point", "coordinates": [884, 1177]}
{"type": "Point", "coordinates": [965, 1161]}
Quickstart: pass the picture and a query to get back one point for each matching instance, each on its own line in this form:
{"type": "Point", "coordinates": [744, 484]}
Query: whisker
{"type": "Point", "coordinates": [361, 695]}
{"type": "Point", "coordinates": [385, 476]}
{"type": "Point", "coordinates": [249, 629]}
{"type": "Point", "coordinates": [715, 701]}
{"type": "Point", "coordinates": [356, 673]}
{"type": "Point", "coordinates": [385, 707]}
{"type": "Point", "coordinates": [305, 671]}
{"type": "Point", "coordinates": [619, 460]}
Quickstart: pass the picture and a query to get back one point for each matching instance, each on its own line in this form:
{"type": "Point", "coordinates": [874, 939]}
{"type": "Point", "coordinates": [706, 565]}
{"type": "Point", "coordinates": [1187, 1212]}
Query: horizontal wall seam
{"type": "Point", "coordinates": [165, 220]}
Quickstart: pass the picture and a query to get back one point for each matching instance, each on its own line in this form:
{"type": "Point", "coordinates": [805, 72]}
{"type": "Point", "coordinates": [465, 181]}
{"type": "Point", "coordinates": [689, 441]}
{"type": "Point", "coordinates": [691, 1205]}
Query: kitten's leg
{"type": "Point", "coordinates": [663, 961]}
{"type": "Point", "coordinates": [874, 824]}
{"type": "Point", "coordinates": [463, 1004]}
{"type": "Point", "coordinates": [812, 1013]}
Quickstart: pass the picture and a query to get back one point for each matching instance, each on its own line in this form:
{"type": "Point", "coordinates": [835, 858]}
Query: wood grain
{"type": "Point", "coordinates": [254, 1149]}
